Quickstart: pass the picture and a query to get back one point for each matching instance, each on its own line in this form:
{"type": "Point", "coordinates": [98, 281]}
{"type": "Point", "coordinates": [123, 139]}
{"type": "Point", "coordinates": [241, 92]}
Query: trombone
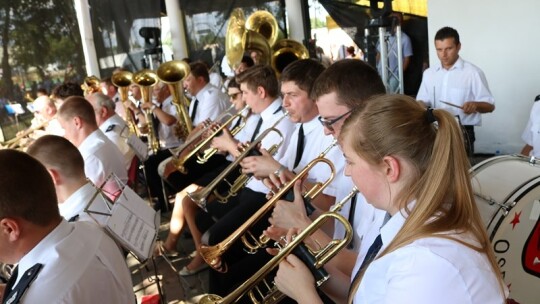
{"type": "Point", "coordinates": [317, 260]}
{"type": "Point", "coordinates": [14, 142]}
{"type": "Point", "coordinates": [179, 160]}
{"type": "Point", "coordinates": [212, 254]}
{"type": "Point", "coordinates": [201, 196]}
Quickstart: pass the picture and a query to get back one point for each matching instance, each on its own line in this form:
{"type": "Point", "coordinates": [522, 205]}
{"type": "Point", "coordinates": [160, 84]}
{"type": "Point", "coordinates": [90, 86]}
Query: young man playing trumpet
{"type": "Point", "coordinates": [344, 86]}
{"type": "Point", "coordinates": [307, 143]}
{"type": "Point", "coordinates": [260, 92]}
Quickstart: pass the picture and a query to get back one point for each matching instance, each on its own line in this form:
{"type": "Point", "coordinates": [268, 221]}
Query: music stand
{"type": "Point", "coordinates": [131, 222]}
{"type": "Point", "coordinates": [15, 109]}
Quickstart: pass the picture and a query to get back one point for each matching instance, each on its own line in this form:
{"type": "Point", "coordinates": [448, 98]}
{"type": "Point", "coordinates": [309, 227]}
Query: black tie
{"type": "Point", "coordinates": [351, 217]}
{"type": "Point", "coordinates": [257, 129]}
{"type": "Point", "coordinates": [371, 254]}
{"type": "Point", "coordinates": [299, 146]}
{"type": "Point", "coordinates": [194, 111]}
{"type": "Point", "coordinates": [14, 294]}
{"type": "Point", "coordinates": [237, 123]}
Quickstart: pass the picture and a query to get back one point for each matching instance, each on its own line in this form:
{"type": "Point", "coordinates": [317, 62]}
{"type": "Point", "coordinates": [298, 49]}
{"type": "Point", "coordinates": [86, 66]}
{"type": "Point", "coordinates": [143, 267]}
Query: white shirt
{"type": "Point", "coordinates": [81, 264]}
{"type": "Point", "coordinates": [212, 102]}
{"type": "Point", "coordinates": [531, 134]}
{"type": "Point", "coordinates": [74, 205]}
{"type": "Point", "coordinates": [54, 128]}
{"type": "Point", "coordinates": [270, 116]}
{"type": "Point", "coordinates": [244, 135]}
{"type": "Point", "coordinates": [461, 83]}
{"type": "Point", "coordinates": [167, 136]}
{"type": "Point", "coordinates": [115, 128]}
{"type": "Point", "coordinates": [101, 158]}
{"type": "Point", "coordinates": [429, 270]}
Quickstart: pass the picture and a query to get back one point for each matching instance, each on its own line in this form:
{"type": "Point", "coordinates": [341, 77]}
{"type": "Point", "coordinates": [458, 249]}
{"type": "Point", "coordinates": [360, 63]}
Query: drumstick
{"type": "Point", "coordinates": [451, 104]}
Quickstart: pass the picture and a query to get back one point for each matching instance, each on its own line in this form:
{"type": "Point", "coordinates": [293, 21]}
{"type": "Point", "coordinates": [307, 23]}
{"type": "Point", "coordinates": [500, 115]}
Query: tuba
{"type": "Point", "coordinates": [238, 39]}
{"type": "Point", "coordinates": [122, 80]}
{"type": "Point", "coordinates": [315, 260]}
{"type": "Point", "coordinates": [146, 79]}
{"type": "Point", "coordinates": [286, 51]}
{"type": "Point", "coordinates": [201, 196]}
{"type": "Point", "coordinates": [212, 254]}
{"type": "Point", "coordinates": [90, 85]}
{"type": "Point", "coordinates": [173, 73]}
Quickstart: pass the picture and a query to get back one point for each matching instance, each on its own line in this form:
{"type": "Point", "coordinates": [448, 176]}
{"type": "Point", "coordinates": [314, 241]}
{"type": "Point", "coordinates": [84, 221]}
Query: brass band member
{"type": "Point", "coordinates": [225, 144]}
{"type": "Point", "coordinates": [65, 90]}
{"type": "Point", "coordinates": [58, 262]}
{"type": "Point", "coordinates": [101, 156]}
{"type": "Point", "coordinates": [344, 86]}
{"type": "Point", "coordinates": [434, 248]}
{"type": "Point", "coordinates": [207, 103]}
{"type": "Point", "coordinates": [112, 125]}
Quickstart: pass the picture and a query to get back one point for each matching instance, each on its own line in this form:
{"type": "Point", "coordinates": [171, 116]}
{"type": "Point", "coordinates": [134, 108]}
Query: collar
{"type": "Point", "coordinates": [310, 125]}
{"type": "Point", "coordinates": [114, 119]}
{"type": "Point", "coordinates": [269, 111]}
{"type": "Point", "coordinates": [204, 90]}
{"type": "Point", "coordinates": [393, 225]}
{"type": "Point", "coordinates": [91, 139]}
{"type": "Point", "coordinates": [47, 243]}
{"type": "Point", "coordinates": [457, 65]}
{"type": "Point", "coordinates": [73, 201]}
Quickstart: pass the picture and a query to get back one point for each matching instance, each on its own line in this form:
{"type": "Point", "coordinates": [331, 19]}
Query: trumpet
{"type": "Point", "coordinates": [146, 79]}
{"type": "Point", "coordinates": [200, 197]}
{"type": "Point", "coordinates": [317, 259]}
{"type": "Point", "coordinates": [179, 160]}
{"type": "Point", "coordinates": [212, 254]}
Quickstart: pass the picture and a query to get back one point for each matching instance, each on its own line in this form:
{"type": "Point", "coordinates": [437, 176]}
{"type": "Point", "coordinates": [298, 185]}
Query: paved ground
{"type": "Point", "coordinates": [175, 289]}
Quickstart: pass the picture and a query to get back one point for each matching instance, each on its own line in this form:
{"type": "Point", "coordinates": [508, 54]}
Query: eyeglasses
{"type": "Point", "coordinates": [328, 123]}
{"type": "Point", "coordinates": [234, 95]}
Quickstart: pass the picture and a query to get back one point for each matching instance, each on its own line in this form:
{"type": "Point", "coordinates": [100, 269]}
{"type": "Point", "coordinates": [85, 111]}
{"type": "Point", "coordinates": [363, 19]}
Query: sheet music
{"type": "Point", "coordinates": [133, 223]}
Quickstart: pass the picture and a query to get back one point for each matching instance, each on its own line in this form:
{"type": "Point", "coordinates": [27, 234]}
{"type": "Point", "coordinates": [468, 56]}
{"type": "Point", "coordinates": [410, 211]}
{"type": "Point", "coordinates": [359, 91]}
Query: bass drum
{"type": "Point", "coordinates": [507, 192]}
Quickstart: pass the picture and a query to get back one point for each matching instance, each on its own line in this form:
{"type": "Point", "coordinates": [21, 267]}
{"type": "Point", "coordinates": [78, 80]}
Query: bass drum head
{"type": "Point", "coordinates": [513, 226]}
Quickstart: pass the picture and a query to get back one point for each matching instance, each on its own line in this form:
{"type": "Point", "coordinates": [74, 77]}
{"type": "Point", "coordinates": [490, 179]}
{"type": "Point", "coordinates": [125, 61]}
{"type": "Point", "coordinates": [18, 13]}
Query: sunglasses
{"type": "Point", "coordinates": [329, 122]}
{"type": "Point", "coordinates": [234, 95]}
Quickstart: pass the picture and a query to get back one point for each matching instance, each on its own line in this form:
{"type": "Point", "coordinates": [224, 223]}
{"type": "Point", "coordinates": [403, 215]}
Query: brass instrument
{"type": "Point", "coordinates": [200, 197]}
{"type": "Point", "coordinates": [264, 23]}
{"type": "Point", "coordinates": [5, 272]}
{"type": "Point", "coordinates": [173, 73]}
{"type": "Point", "coordinates": [320, 257]}
{"type": "Point", "coordinates": [179, 160]}
{"type": "Point", "coordinates": [14, 142]}
{"type": "Point", "coordinates": [209, 152]}
{"type": "Point", "coordinates": [146, 79]}
{"type": "Point", "coordinates": [91, 85]}
{"type": "Point", "coordinates": [286, 51]}
{"type": "Point", "coordinates": [122, 80]}
{"type": "Point", "coordinates": [212, 254]}
{"type": "Point", "coordinates": [238, 39]}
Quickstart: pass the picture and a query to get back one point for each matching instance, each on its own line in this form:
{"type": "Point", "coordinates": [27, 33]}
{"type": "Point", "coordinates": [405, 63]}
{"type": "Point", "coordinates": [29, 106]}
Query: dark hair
{"type": "Point", "coordinates": [303, 73]}
{"type": "Point", "coordinates": [247, 60]}
{"type": "Point", "coordinates": [66, 90]}
{"type": "Point", "coordinates": [260, 76]}
{"type": "Point", "coordinates": [58, 153]}
{"type": "Point", "coordinates": [78, 106]}
{"type": "Point", "coordinates": [199, 69]}
{"type": "Point", "coordinates": [447, 32]}
{"type": "Point", "coordinates": [353, 81]}
{"type": "Point", "coordinates": [26, 189]}
{"type": "Point", "coordinates": [233, 84]}
{"type": "Point", "coordinates": [351, 50]}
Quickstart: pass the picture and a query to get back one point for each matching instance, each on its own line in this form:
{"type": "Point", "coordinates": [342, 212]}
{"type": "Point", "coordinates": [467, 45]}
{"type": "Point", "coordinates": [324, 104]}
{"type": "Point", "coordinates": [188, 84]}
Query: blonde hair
{"type": "Point", "coordinates": [440, 182]}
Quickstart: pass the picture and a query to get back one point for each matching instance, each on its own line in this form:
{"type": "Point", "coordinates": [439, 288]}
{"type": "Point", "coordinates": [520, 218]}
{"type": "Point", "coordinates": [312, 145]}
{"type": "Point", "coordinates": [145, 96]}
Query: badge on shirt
{"type": "Point", "coordinates": [110, 128]}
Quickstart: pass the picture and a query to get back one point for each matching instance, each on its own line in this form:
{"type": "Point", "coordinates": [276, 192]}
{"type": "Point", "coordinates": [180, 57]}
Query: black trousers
{"type": "Point", "coordinates": [153, 179]}
{"type": "Point", "coordinates": [469, 138]}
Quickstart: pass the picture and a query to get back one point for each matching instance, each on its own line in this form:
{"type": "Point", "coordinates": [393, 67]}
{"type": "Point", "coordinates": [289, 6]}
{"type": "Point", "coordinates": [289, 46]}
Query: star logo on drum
{"type": "Point", "coordinates": [515, 221]}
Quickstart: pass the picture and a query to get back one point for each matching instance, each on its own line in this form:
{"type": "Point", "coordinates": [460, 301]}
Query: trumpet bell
{"type": "Point", "coordinates": [122, 79]}
{"type": "Point", "coordinates": [172, 72]}
{"type": "Point", "coordinates": [145, 78]}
